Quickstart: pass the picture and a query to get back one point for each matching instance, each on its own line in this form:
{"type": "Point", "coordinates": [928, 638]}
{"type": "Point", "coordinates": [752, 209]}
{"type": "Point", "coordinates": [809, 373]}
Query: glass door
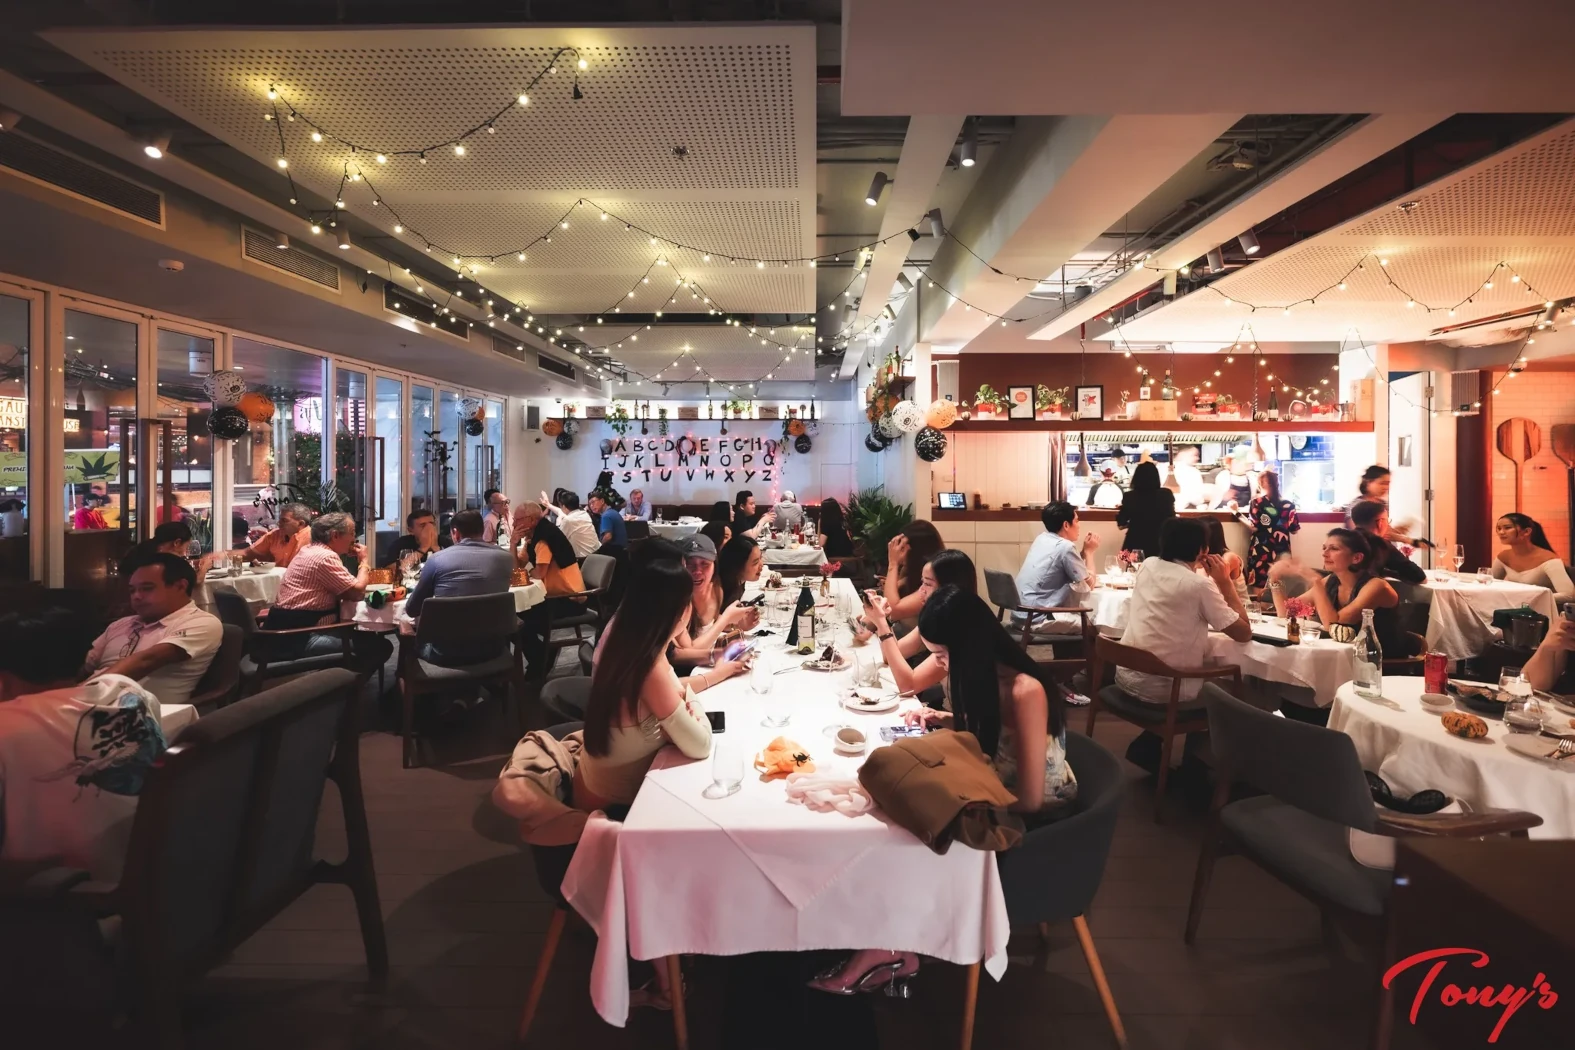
{"type": "Point", "coordinates": [184, 449]}
{"type": "Point", "coordinates": [104, 438]}
{"type": "Point", "coordinates": [353, 457]}
{"type": "Point", "coordinates": [387, 464]}
{"type": "Point", "coordinates": [429, 458]}
{"type": "Point", "coordinates": [18, 315]}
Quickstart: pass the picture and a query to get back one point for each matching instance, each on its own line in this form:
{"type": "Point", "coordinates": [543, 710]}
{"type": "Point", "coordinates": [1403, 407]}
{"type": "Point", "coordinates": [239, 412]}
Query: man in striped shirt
{"type": "Point", "coordinates": [317, 582]}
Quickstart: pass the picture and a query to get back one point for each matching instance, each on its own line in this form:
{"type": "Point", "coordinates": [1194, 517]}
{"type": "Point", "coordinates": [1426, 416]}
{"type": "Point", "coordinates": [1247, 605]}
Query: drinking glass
{"type": "Point", "coordinates": [1460, 556]}
{"type": "Point", "coordinates": [762, 680]}
{"type": "Point", "coordinates": [1485, 576]}
{"type": "Point", "coordinates": [727, 769]}
{"type": "Point", "coordinates": [1522, 714]}
{"type": "Point", "coordinates": [1112, 565]}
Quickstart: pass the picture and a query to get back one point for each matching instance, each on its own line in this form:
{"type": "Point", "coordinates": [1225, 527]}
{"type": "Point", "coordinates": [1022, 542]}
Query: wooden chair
{"type": "Point", "coordinates": [1176, 718]}
{"type": "Point", "coordinates": [222, 842]}
{"type": "Point", "coordinates": [474, 623]}
{"type": "Point", "coordinates": [221, 682]}
{"type": "Point", "coordinates": [1297, 831]}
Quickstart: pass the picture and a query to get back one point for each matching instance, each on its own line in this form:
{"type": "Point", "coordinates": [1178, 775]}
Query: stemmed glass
{"type": "Point", "coordinates": [1459, 557]}
{"type": "Point", "coordinates": [727, 769]}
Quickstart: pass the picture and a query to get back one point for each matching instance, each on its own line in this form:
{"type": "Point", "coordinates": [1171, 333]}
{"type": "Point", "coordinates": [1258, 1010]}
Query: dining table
{"type": "Point", "coordinates": [752, 872]}
{"type": "Point", "coordinates": [1319, 664]}
{"type": "Point", "coordinates": [391, 615]}
{"type": "Point", "coordinates": [1401, 741]}
{"type": "Point", "coordinates": [1460, 616]}
{"type": "Point", "coordinates": [258, 588]}
{"type": "Point", "coordinates": [1109, 600]}
{"type": "Point", "coordinates": [793, 555]}
{"type": "Point", "coordinates": [676, 530]}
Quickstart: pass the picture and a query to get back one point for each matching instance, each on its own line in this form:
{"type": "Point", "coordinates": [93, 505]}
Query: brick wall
{"type": "Point", "coordinates": [1545, 397]}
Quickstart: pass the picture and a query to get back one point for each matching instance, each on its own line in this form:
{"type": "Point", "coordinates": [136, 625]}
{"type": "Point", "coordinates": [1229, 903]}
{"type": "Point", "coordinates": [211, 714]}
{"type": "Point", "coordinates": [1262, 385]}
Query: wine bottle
{"type": "Point", "coordinates": [802, 631]}
{"type": "Point", "coordinates": [1274, 404]}
{"type": "Point", "coordinates": [1367, 660]}
{"type": "Point", "coordinates": [1167, 391]}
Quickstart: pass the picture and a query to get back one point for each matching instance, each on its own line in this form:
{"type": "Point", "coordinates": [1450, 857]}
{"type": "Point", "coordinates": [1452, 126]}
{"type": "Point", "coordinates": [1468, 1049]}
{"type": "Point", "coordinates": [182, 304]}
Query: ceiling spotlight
{"type": "Point", "coordinates": [1248, 241]}
{"type": "Point", "coordinates": [281, 241]}
{"type": "Point", "coordinates": [877, 185]}
{"type": "Point", "coordinates": [937, 227]}
{"type": "Point", "coordinates": [9, 118]}
{"type": "Point", "coordinates": [583, 64]}
{"type": "Point", "coordinates": [1216, 259]}
{"type": "Point", "coordinates": [155, 147]}
{"type": "Point", "coordinates": [344, 237]}
{"type": "Point", "coordinates": [902, 279]}
{"type": "Point", "coordinates": [969, 152]}
{"type": "Point", "coordinates": [888, 314]}
{"type": "Point", "coordinates": [317, 136]}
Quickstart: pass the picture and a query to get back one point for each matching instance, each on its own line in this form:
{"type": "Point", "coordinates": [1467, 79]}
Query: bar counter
{"type": "Point", "coordinates": [1314, 517]}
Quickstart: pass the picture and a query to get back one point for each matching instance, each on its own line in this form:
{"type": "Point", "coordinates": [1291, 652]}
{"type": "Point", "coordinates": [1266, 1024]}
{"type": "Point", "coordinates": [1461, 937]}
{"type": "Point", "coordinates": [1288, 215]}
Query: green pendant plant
{"type": "Point", "coordinates": [618, 418]}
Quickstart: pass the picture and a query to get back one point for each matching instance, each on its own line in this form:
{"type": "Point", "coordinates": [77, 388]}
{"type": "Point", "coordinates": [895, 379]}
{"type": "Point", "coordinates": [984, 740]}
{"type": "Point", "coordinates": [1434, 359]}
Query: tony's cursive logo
{"type": "Point", "coordinates": [1510, 997]}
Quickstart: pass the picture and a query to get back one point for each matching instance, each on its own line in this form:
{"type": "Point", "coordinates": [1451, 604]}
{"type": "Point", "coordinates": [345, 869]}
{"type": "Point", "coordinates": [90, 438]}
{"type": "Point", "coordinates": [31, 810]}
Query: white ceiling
{"type": "Point", "coordinates": [740, 99]}
{"type": "Point", "coordinates": [670, 353]}
{"type": "Point", "coordinates": [1512, 208]}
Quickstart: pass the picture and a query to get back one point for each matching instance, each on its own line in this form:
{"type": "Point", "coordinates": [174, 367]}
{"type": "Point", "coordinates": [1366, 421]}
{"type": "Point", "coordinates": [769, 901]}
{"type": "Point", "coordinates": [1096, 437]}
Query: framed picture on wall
{"type": "Point", "coordinates": [1090, 402]}
{"type": "Point", "coordinates": [1020, 402]}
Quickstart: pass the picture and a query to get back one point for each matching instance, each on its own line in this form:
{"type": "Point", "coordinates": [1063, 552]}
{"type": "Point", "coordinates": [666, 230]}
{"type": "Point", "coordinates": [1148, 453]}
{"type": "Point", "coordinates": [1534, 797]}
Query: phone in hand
{"type": "Point", "coordinates": [890, 733]}
{"type": "Point", "coordinates": [864, 596]}
{"type": "Point", "coordinates": [738, 650]}
{"type": "Point", "coordinates": [757, 601]}
{"type": "Point", "coordinates": [718, 720]}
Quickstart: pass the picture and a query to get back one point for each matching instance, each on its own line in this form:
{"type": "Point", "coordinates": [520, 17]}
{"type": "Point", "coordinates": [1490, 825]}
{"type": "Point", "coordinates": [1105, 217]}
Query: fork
{"type": "Point", "coordinates": [1564, 750]}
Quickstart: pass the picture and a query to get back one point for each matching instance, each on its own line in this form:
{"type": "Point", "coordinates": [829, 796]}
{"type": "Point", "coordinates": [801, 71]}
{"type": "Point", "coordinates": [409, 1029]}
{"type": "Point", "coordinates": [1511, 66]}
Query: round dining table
{"type": "Point", "coordinates": [676, 530]}
{"type": "Point", "coordinates": [1460, 617]}
{"type": "Point", "coordinates": [1408, 747]}
{"type": "Point", "coordinates": [258, 588]}
{"type": "Point", "coordinates": [800, 555]}
{"type": "Point", "coordinates": [1320, 664]}
{"type": "Point", "coordinates": [752, 872]}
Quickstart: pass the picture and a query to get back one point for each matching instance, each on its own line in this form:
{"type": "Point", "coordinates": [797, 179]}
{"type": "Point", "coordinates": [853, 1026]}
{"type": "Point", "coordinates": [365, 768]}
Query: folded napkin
{"type": "Point", "coordinates": [824, 793]}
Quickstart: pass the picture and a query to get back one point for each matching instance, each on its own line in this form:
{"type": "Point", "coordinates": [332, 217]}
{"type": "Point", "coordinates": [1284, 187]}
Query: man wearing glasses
{"type": "Point", "coordinates": [167, 643]}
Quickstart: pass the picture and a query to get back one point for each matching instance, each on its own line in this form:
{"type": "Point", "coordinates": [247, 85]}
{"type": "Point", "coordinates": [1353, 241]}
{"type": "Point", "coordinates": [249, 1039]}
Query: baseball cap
{"type": "Point", "coordinates": [698, 546]}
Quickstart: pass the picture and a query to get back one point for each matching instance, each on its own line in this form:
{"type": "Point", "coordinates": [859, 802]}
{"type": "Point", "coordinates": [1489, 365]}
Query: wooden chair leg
{"type": "Point", "coordinates": [1383, 1025]}
{"type": "Point", "coordinates": [675, 985]}
{"type": "Point", "coordinates": [1200, 883]}
{"type": "Point", "coordinates": [1097, 971]}
{"type": "Point", "coordinates": [1093, 708]}
{"type": "Point", "coordinates": [1164, 777]}
{"type": "Point", "coordinates": [970, 1004]}
{"type": "Point", "coordinates": [538, 983]}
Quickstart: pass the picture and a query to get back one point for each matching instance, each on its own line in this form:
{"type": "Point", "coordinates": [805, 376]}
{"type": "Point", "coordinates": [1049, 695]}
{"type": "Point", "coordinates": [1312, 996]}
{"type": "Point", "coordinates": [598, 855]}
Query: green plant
{"type": "Point", "coordinates": [618, 418]}
{"type": "Point", "coordinates": [1044, 397]}
{"type": "Point", "coordinates": [661, 426]}
{"type": "Point", "coordinates": [735, 405]}
{"type": "Point", "coordinates": [873, 519]}
{"type": "Point", "coordinates": [988, 395]}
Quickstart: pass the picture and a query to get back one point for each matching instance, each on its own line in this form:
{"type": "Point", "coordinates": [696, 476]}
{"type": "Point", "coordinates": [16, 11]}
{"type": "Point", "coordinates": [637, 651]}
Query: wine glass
{"type": "Point", "coordinates": [727, 769]}
{"type": "Point", "coordinates": [762, 681]}
{"type": "Point", "coordinates": [1459, 557]}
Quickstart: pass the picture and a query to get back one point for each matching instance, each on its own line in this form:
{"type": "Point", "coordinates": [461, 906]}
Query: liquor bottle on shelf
{"type": "Point", "coordinates": [1167, 391]}
{"type": "Point", "coordinates": [1274, 403]}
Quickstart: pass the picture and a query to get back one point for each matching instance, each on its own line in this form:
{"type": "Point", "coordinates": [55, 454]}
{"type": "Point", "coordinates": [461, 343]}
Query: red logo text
{"type": "Point", "coordinates": [1510, 997]}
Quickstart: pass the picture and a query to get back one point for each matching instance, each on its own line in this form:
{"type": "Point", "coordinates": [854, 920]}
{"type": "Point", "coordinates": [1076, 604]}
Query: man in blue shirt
{"type": "Point", "coordinates": [1059, 562]}
{"type": "Point", "coordinates": [637, 509]}
{"type": "Point", "coordinates": [470, 567]}
{"type": "Point", "coordinates": [609, 523]}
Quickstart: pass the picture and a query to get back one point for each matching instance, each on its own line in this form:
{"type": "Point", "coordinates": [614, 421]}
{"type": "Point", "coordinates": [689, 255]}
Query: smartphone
{"type": "Point", "coordinates": [738, 650]}
{"type": "Point", "coordinates": [864, 596]}
{"type": "Point", "coordinates": [1569, 612]}
{"type": "Point", "coordinates": [718, 720]}
{"type": "Point", "coordinates": [890, 733]}
{"type": "Point", "coordinates": [757, 601]}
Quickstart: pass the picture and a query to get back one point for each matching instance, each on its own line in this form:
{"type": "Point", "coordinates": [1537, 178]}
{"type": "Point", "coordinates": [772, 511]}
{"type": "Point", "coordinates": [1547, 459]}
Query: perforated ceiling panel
{"type": "Point", "coordinates": [1511, 208]}
{"type": "Point", "coordinates": [727, 354]}
{"type": "Point", "coordinates": [739, 100]}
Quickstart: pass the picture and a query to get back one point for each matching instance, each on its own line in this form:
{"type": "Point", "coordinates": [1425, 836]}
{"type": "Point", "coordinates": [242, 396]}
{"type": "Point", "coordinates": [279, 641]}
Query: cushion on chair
{"type": "Point", "coordinates": [428, 671]}
{"type": "Point", "coordinates": [580, 619]}
{"type": "Point", "coordinates": [280, 668]}
{"type": "Point", "coordinates": [1307, 852]}
{"type": "Point", "coordinates": [1144, 712]}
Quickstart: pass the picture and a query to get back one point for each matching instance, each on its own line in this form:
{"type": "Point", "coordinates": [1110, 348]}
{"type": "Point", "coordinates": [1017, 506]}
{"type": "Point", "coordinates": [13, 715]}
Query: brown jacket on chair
{"type": "Point", "coordinates": [940, 787]}
{"type": "Point", "coordinates": [533, 787]}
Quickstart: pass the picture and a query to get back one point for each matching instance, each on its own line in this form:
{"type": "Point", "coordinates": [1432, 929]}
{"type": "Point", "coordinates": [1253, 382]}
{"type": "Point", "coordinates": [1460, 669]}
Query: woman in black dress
{"type": "Point", "coordinates": [1144, 510]}
{"type": "Point", "coordinates": [834, 528]}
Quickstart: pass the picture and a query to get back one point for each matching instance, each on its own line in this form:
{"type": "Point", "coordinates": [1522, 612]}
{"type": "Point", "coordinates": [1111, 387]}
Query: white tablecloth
{"type": "Point", "coordinates": [1109, 605]}
{"type": "Point", "coordinates": [752, 872]}
{"type": "Point", "coordinates": [778, 557]}
{"type": "Point", "coordinates": [393, 613]}
{"type": "Point", "coordinates": [175, 717]}
{"type": "Point", "coordinates": [1408, 747]}
{"type": "Point", "coordinates": [675, 530]}
{"type": "Point", "coordinates": [1460, 620]}
{"type": "Point", "coordinates": [258, 588]}
{"type": "Point", "coordinates": [1322, 666]}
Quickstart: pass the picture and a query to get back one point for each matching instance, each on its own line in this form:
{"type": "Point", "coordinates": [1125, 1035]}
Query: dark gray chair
{"type": "Point", "coordinates": [1297, 831]}
{"type": "Point", "coordinates": [587, 658]}
{"type": "Point", "coordinates": [1053, 874]}
{"type": "Point", "coordinates": [597, 572]}
{"type": "Point", "coordinates": [551, 863]}
{"type": "Point", "coordinates": [1001, 587]}
{"type": "Point", "coordinates": [222, 842]}
{"type": "Point", "coordinates": [278, 654]}
{"type": "Point", "coordinates": [461, 623]}
{"type": "Point", "coordinates": [566, 697]}
{"type": "Point", "coordinates": [221, 682]}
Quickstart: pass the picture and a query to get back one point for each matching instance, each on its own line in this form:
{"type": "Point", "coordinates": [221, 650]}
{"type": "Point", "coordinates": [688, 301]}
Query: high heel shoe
{"type": "Point", "coordinates": [890, 974]}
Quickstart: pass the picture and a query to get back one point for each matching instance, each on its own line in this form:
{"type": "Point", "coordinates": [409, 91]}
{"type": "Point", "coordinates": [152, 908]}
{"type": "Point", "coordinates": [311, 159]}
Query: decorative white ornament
{"type": "Point", "coordinates": [908, 416]}
{"type": "Point", "coordinates": [224, 387]}
{"type": "Point", "coordinates": [888, 426]}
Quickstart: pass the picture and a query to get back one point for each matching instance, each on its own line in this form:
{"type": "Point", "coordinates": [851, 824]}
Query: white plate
{"type": "Point", "coordinates": [884, 701]}
{"type": "Point", "coordinates": [814, 664]}
{"type": "Point", "coordinates": [1440, 710]}
{"type": "Point", "coordinates": [1558, 725]}
{"type": "Point", "coordinates": [1536, 747]}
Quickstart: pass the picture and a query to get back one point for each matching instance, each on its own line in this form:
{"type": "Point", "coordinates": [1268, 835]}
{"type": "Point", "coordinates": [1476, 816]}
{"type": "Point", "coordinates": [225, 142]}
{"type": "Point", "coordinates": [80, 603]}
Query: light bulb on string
{"type": "Point", "coordinates": [317, 136]}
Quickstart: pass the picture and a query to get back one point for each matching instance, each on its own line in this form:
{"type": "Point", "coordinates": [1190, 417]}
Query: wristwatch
{"type": "Point", "coordinates": [883, 637]}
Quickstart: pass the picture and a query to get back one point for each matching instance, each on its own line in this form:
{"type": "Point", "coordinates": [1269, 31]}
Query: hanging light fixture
{"type": "Point", "coordinates": [1216, 259]}
{"type": "Point", "coordinates": [877, 185]}
{"type": "Point", "coordinates": [1248, 241]}
{"type": "Point", "coordinates": [968, 154]}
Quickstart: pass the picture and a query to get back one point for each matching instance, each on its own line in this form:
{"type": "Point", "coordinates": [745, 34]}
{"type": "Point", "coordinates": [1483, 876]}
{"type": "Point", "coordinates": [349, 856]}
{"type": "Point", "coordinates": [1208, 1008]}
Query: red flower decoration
{"type": "Point", "coordinates": [1300, 608]}
{"type": "Point", "coordinates": [830, 568]}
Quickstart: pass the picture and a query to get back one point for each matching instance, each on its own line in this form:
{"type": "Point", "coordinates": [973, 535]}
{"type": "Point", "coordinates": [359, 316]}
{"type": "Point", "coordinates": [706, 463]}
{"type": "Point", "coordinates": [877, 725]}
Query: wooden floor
{"type": "Point", "coordinates": [465, 920]}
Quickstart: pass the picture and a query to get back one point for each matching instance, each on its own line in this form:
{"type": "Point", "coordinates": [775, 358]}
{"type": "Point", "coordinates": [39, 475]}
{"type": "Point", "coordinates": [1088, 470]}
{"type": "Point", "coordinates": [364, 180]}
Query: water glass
{"type": "Point", "coordinates": [1485, 576]}
{"type": "Point", "coordinates": [1522, 713]}
{"type": "Point", "coordinates": [727, 769]}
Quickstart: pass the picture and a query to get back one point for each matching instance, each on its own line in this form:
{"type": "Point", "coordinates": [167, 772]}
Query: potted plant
{"type": "Point", "coordinates": [661, 426]}
{"type": "Point", "coordinates": [989, 403]}
{"type": "Point", "coordinates": [873, 518]}
{"type": "Point", "coordinates": [1051, 404]}
{"type": "Point", "coordinates": [570, 408]}
{"type": "Point", "coordinates": [735, 408]}
{"type": "Point", "coordinates": [618, 418]}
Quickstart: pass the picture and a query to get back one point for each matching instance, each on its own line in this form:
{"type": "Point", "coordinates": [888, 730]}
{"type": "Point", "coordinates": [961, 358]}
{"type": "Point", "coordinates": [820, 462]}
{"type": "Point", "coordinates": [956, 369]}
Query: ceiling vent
{"type": "Point", "coordinates": [423, 311]}
{"type": "Point", "coordinates": [509, 348]}
{"type": "Point", "coordinates": [36, 162]}
{"type": "Point", "coordinates": [1465, 392]}
{"type": "Point", "coordinates": [264, 248]}
{"type": "Point", "coordinates": [561, 369]}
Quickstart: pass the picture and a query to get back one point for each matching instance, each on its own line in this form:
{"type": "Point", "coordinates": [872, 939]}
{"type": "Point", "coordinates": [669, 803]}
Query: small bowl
{"type": "Point", "coordinates": [850, 741]}
{"type": "Point", "coordinates": [1437, 703]}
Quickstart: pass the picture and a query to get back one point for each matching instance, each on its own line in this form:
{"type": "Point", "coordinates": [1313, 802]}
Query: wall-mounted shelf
{"type": "Point", "coordinates": [1164, 426]}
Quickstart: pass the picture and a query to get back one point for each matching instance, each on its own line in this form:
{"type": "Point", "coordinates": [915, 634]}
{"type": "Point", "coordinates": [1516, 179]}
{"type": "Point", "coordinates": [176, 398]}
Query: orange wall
{"type": "Point", "coordinates": [1545, 397]}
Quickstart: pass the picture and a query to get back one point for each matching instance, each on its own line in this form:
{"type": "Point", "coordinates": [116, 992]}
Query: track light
{"type": "Point", "coordinates": [888, 314]}
{"type": "Point", "coordinates": [157, 146]}
{"type": "Point", "coordinates": [970, 145]}
{"type": "Point", "coordinates": [937, 227]}
{"type": "Point", "coordinates": [281, 241]}
{"type": "Point", "coordinates": [344, 237]}
{"type": "Point", "coordinates": [907, 285]}
{"type": "Point", "coordinates": [9, 119]}
{"type": "Point", "coordinates": [1248, 241]}
{"type": "Point", "coordinates": [1216, 259]}
{"type": "Point", "coordinates": [877, 185]}
{"type": "Point", "coordinates": [913, 234]}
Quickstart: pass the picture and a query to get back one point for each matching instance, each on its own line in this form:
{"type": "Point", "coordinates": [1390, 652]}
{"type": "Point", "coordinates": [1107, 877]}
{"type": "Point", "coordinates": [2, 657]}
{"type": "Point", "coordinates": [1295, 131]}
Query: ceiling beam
{"type": "Point", "coordinates": [1365, 142]}
{"type": "Point", "coordinates": [1052, 190]}
{"type": "Point", "coordinates": [925, 152]}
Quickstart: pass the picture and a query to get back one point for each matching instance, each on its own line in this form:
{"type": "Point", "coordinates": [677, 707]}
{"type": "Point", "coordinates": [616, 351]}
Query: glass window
{"type": "Point", "coordinates": [427, 458]}
{"type": "Point", "coordinates": [494, 465]}
{"type": "Point", "coordinates": [185, 481]}
{"type": "Point", "coordinates": [389, 443]}
{"type": "Point", "coordinates": [14, 339]}
{"type": "Point", "coordinates": [282, 459]}
{"type": "Point", "coordinates": [448, 433]}
{"type": "Point", "coordinates": [100, 441]}
{"type": "Point", "coordinates": [350, 446]}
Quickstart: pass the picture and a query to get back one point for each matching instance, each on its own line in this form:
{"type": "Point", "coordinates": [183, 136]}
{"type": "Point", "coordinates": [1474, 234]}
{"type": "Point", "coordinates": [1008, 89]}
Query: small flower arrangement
{"type": "Point", "coordinates": [1129, 560]}
{"type": "Point", "coordinates": [831, 568]}
{"type": "Point", "coordinates": [1227, 407]}
{"type": "Point", "coordinates": [618, 418]}
{"type": "Point", "coordinates": [1300, 608]}
{"type": "Point", "coordinates": [989, 403]}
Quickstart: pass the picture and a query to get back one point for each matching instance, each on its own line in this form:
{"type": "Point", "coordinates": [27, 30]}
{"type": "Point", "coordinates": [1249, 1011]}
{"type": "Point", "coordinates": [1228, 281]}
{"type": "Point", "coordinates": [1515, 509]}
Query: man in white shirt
{"type": "Point", "coordinates": [167, 643]}
{"type": "Point", "coordinates": [574, 523]}
{"type": "Point", "coordinates": [1186, 479]}
{"type": "Point", "coordinates": [789, 515]}
{"type": "Point", "coordinates": [496, 521]}
{"type": "Point", "coordinates": [1173, 609]}
{"type": "Point", "coordinates": [73, 757]}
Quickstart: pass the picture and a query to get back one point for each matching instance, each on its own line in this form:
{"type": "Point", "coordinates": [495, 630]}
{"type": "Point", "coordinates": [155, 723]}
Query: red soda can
{"type": "Point", "coordinates": [1435, 672]}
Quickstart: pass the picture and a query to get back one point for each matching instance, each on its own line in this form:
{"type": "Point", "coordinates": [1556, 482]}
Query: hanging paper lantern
{"type": "Point", "coordinates": [571, 426]}
{"type": "Point", "coordinates": [875, 441]}
{"type": "Point", "coordinates": [888, 427]}
{"type": "Point", "coordinates": [565, 442]}
{"type": "Point", "coordinates": [552, 428]}
{"type": "Point", "coordinates": [606, 446]}
{"type": "Point", "coordinates": [228, 422]}
{"type": "Point", "coordinates": [941, 414]}
{"type": "Point", "coordinates": [908, 416]}
{"type": "Point", "coordinates": [930, 444]}
{"type": "Point", "coordinates": [475, 427]}
{"type": "Point", "coordinates": [802, 443]}
{"type": "Point", "coordinates": [224, 387]}
{"type": "Point", "coordinates": [795, 427]}
{"type": "Point", "coordinates": [256, 407]}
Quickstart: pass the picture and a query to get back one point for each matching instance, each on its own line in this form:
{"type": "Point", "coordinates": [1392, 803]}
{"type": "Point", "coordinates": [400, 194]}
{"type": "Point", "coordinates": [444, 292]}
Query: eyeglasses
{"type": "Point", "coordinates": [137, 627]}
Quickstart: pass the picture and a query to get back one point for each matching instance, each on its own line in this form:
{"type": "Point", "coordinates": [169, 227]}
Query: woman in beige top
{"type": "Point", "coordinates": [1528, 557]}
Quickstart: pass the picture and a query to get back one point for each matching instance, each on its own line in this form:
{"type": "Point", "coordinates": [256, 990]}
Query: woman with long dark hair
{"type": "Point", "coordinates": [709, 613]}
{"type": "Point", "coordinates": [1145, 508]}
{"type": "Point", "coordinates": [917, 543]}
{"type": "Point", "coordinates": [1373, 488]}
{"type": "Point", "coordinates": [834, 528]}
{"type": "Point", "coordinates": [1528, 557]}
{"type": "Point", "coordinates": [739, 562]}
{"type": "Point", "coordinates": [1349, 588]}
{"type": "Point", "coordinates": [948, 568]}
{"type": "Point", "coordinates": [1233, 563]}
{"type": "Point", "coordinates": [1273, 520]}
{"type": "Point", "coordinates": [720, 533]}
